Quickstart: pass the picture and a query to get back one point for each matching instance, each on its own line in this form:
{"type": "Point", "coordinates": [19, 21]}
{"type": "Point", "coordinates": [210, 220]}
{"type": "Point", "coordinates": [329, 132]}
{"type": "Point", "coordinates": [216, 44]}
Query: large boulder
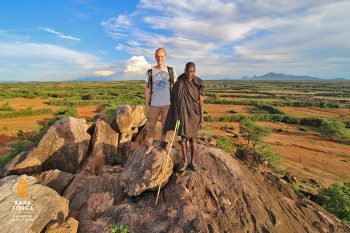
{"type": "Point", "coordinates": [127, 118]}
{"type": "Point", "coordinates": [29, 207]}
{"type": "Point", "coordinates": [55, 179]}
{"type": "Point", "coordinates": [123, 119]}
{"type": "Point", "coordinates": [104, 143]}
{"type": "Point", "coordinates": [68, 226]}
{"type": "Point", "coordinates": [62, 147]}
{"type": "Point", "coordinates": [144, 172]}
{"type": "Point", "coordinates": [142, 135]}
{"type": "Point", "coordinates": [252, 158]}
{"type": "Point", "coordinates": [138, 116]}
{"type": "Point", "coordinates": [127, 122]}
{"type": "Point", "coordinates": [90, 196]}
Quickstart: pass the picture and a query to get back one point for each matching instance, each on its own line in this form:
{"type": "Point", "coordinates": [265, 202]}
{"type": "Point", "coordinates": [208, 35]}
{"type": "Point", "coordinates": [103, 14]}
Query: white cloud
{"type": "Point", "coordinates": [136, 65]}
{"type": "Point", "coordinates": [45, 62]}
{"type": "Point", "coordinates": [59, 34]}
{"type": "Point", "coordinates": [306, 36]}
{"type": "Point", "coordinates": [104, 72]}
{"type": "Point", "coordinates": [117, 27]}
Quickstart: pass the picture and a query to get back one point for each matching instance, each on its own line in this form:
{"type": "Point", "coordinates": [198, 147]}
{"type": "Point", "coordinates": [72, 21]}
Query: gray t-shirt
{"type": "Point", "coordinates": [160, 86]}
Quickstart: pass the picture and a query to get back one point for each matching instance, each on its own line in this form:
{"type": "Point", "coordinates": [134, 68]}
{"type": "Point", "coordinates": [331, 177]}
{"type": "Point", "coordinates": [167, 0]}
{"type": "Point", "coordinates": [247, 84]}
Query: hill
{"type": "Point", "coordinates": [281, 76]}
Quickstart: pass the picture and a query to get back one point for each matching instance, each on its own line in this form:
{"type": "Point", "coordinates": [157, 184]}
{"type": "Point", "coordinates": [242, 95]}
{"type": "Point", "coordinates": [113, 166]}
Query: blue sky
{"type": "Point", "coordinates": [61, 40]}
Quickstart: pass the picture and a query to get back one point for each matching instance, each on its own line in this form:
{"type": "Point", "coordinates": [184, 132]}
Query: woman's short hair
{"type": "Point", "coordinates": [159, 49]}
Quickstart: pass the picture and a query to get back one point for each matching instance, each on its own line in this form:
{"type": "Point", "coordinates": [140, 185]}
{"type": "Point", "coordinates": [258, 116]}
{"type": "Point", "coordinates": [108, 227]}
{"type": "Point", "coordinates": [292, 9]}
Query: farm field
{"type": "Point", "coordinates": [293, 111]}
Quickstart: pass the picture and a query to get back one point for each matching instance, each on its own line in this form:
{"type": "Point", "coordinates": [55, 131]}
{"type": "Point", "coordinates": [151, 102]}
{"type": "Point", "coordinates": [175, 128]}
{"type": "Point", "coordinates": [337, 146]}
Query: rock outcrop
{"type": "Point", "coordinates": [224, 196]}
{"type": "Point", "coordinates": [55, 179]}
{"type": "Point", "coordinates": [31, 211]}
{"type": "Point", "coordinates": [108, 180]}
{"type": "Point", "coordinates": [104, 143]}
{"type": "Point", "coordinates": [63, 147]}
{"type": "Point", "coordinates": [144, 172]}
{"type": "Point", "coordinates": [127, 122]}
{"type": "Point", "coordinates": [90, 196]}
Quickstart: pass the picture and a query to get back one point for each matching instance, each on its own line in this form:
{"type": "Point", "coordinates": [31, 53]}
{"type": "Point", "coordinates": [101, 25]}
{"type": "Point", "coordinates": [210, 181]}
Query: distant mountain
{"type": "Point", "coordinates": [95, 79]}
{"type": "Point", "coordinates": [280, 76]}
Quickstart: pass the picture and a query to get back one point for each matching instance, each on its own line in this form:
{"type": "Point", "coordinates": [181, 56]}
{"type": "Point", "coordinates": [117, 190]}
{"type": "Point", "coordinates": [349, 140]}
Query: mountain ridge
{"type": "Point", "coordinates": [282, 76]}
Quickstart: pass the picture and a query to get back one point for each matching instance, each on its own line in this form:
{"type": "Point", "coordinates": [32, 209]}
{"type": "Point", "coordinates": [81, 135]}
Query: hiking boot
{"type": "Point", "coordinates": [184, 166]}
{"type": "Point", "coordinates": [194, 167]}
{"type": "Point", "coordinates": [148, 149]}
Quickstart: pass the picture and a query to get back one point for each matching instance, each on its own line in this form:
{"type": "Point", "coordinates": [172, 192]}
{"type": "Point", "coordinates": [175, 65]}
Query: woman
{"type": "Point", "coordinates": [188, 107]}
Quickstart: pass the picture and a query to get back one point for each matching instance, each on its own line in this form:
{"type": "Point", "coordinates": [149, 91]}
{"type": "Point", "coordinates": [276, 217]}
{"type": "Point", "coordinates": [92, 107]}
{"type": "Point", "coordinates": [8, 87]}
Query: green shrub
{"type": "Point", "coordinates": [231, 111]}
{"type": "Point", "coordinates": [119, 229]}
{"type": "Point", "coordinates": [275, 160]}
{"type": "Point", "coordinates": [225, 143]}
{"type": "Point", "coordinates": [18, 147]}
{"type": "Point", "coordinates": [87, 97]}
{"type": "Point", "coordinates": [67, 112]}
{"type": "Point", "coordinates": [303, 129]}
{"type": "Point", "coordinates": [208, 118]}
{"type": "Point", "coordinates": [269, 108]}
{"type": "Point", "coordinates": [252, 132]}
{"type": "Point", "coordinates": [6, 107]}
{"type": "Point", "coordinates": [333, 129]}
{"type": "Point", "coordinates": [30, 96]}
{"type": "Point", "coordinates": [336, 199]}
{"type": "Point", "coordinates": [280, 130]}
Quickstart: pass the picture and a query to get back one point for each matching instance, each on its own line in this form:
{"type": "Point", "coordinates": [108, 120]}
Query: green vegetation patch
{"type": "Point", "coordinates": [225, 143]}
{"type": "Point", "coordinates": [27, 112]}
{"type": "Point", "coordinates": [336, 199]}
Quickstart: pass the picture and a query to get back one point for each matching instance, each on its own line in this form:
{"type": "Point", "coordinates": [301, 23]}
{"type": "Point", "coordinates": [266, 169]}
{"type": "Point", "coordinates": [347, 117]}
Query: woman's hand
{"type": "Point", "coordinates": [147, 108]}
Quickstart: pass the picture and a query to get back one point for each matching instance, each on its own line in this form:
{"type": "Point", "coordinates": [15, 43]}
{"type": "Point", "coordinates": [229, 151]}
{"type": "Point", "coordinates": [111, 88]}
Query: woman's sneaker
{"type": "Point", "coordinates": [183, 168]}
{"type": "Point", "coordinates": [148, 149]}
{"type": "Point", "coordinates": [194, 166]}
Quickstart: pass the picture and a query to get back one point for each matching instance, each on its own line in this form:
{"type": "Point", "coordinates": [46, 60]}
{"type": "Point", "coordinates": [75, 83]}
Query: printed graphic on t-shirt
{"type": "Point", "coordinates": [160, 81]}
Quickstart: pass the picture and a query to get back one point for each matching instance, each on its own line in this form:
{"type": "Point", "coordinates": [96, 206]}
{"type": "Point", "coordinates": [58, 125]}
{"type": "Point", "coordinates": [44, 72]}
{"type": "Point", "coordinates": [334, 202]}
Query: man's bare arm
{"type": "Point", "coordinates": [201, 109]}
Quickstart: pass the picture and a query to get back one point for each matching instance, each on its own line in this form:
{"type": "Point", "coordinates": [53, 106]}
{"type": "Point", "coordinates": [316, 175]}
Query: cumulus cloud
{"type": "Point", "coordinates": [59, 34]}
{"type": "Point", "coordinates": [136, 65]}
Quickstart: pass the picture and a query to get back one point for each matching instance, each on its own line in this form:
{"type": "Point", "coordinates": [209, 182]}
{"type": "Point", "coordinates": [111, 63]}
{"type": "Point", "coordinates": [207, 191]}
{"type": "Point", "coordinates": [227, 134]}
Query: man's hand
{"type": "Point", "coordinates": [177, 114]}
{"type": "Point", "coordinates": [147, 108]}
{"type": "Point", "coordinates": [201, 124]}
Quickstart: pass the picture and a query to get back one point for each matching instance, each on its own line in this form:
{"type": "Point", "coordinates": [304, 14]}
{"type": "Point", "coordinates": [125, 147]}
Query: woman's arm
{"type": "Point", "coordinates": [147, 97]}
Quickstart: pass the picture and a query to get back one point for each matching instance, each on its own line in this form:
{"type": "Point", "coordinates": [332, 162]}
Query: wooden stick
{"type": "Point", "coordinates": [167, 159]}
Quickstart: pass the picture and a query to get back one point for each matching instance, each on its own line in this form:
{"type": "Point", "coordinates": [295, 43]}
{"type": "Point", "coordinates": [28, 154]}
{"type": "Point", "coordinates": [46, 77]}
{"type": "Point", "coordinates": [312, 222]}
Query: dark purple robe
{"type": "Point", "coordinates": [185, 97]}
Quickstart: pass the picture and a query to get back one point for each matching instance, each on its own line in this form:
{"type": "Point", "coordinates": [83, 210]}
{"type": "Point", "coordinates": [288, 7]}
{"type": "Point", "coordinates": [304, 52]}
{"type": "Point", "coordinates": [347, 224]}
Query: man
{"type": "Point", "coordinates": [160, 80]}
{"type": "Point", "coordinates": [188, 107]}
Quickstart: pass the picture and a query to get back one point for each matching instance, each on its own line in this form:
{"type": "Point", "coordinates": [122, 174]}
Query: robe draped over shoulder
{"type": "Point", "coordinates": [185, 97]}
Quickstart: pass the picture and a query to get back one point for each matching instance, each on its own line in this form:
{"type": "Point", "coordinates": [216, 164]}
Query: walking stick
{"type": "Point", "coordinates": [167, 158]}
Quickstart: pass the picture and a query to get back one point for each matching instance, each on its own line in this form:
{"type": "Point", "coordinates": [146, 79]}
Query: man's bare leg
{"type": "Point", "coordinates": [194, 148]}
{"type": "Point", "coordinates": [184, 153]}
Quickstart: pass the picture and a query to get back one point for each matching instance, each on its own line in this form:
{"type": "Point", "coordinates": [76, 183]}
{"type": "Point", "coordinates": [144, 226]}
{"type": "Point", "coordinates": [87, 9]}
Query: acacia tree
{"type": "Point", "coordinates": [252, 132]}
{"type": "Point", "coordinates": [333, 129]}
